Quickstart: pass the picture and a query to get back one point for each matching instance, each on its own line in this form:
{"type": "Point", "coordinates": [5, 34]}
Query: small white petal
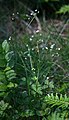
{"type": "Point", "coordinates": [46, 48]}
{"type": "Point", "coordinates": [12, 18]}
{"type": "Point", "coordinates": [25, 58]}
{"type": "Point", "coordinates": [32, 36]}
{"type": "Point", "coordinates": [27, 45]}
{"type": "Point", "coordinates": [58, 48]}
{"type": "Point", "coordinates": [52, 46]}
{"type": "Point", "coordinates": [36, 10]}
{"type": "Point", "coordinates": [17, 13]}
{"type": "Point", "coordinates": [26, 15]}
{"type": "Point", "coordinates": [47, 78]}
{"type": "Point", "coordinates": [29, 18]}
{"type": "Point", "coordinates": [10, 38]}
{"type": "Point", "coordinates": [13, 14]}
{"type": "Point", "coordinates": [30, 39]}
{"type": "Point", "coordinates": [31, 13]}
{"type": "Point", "coordinates": [32, 48]}
{"type": "Point", "coordinates": [37, 31]}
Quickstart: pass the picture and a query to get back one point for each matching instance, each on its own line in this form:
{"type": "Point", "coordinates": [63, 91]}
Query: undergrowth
{"type": "Point", "coordinates": [34, 67]}
{"type": "Point", "coordinates": [34, 78]}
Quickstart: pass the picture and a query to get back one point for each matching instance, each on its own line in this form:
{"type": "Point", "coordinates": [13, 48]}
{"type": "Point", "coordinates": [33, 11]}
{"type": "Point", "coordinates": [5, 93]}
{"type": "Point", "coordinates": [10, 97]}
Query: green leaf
{"type": "Point", "coordinates": [5, 46]}
{"type": "Point", "coordinates": [64, 9]}
{"type": "Point", "coordinates": [9, 55]}
{"type": "Point", "coordinates": [2, 57]}
{"type": "Point", "coordinates": [10, 85]}
{"type": "Point", "coordinates": [10, 59]}
{"type": "Point", "coordinates": [2, 76]}
{"type": "Point", "coordinates": [1, 48]}
{"type": "Point", "coordinates": [2, 63]}
{"type": "Point", "coordinates": [51, 85]}
{"type": "Point", "coordinates": [33, 87]}
{"type": "Point", "coordinates": [23, 81]}
{"type": "Point", "coordinates": [7, 69]}
{"type": "Point", "coordinates": [10, 74]}
{"type": "Point", "coordinates": [3, 106]}
{"type": "Point", "coordinates": [2, 94]}
{"type": "Point", "coordinates": [3, 87]}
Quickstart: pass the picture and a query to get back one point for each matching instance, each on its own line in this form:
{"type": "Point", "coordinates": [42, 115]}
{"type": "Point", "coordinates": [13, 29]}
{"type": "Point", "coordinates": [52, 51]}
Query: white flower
{"type": "Point", "coordinates": [37, 31]}
{"type": "Point", "coordinates": [31, 13]}
{"type": "Point", "coordinates": [27, 45]}
{"type": "Point", "coordinates": [17, 13]}
{"type": "Point", "coordinates": [36, 10]}
{"type": "Point", "coordinates": [25, 58]}
{"type": "Point", "coordinates": [52, 55]}
{"type": "Point", "coordinates": [47, 78]}
{"type": "Point", "coordinates": [26, 15]}
{"type": "Point", "coordinates": [57, 54]}
{"type": "Point", "coordinates": [28, 55]}
{"type": "Point", "coordinates": [32, 36]}
{"type": "Point", "coordinates": [32, 48]}
{"type": "Point", "coordinates": [33, 69]}
{"type": "Point", "coordinates": [41, 40]}
{"type": "Point", "coordinates": [12, 18]}
{"type": "Point", "coordinates": [10, 38]}
{"type": "Point", "coordinates": [28, 18]}
{"type": "Point", "coordinates": [48, 95]}
{"type": "Point", "coordinates": [52, 46]}
{"type": "Point", "coordinates": [30, 39]}
{"type": "Point", "coordinates": [46, 48]}
{"type": "Point", "coordinates": [58, 48]}
{"type": "Point", "coordinates": [13, 14]}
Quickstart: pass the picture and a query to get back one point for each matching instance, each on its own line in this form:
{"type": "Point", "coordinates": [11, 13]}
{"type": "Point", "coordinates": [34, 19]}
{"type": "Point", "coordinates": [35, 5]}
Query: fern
{"type": "Point", "coordinates": [3, 107]}
{"type": "Point", "coordinates": [55, 116]}
{"type": "Point", "coordinates": [7, 77]}
{"type": "Point", "coordinates": [10, 73]}
{"type": "Point", "coordinates": [58, 103]}
{"type": "Point", "coordinates": [61, 102]}
{"type": "Point", "coordinates": [7, 74]}
{"type": "Point", "coordinates": [64, 9]}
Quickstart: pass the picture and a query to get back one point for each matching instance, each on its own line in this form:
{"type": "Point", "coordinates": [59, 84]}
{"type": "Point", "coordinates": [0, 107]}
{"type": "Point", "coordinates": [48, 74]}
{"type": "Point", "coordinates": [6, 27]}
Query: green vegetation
{"type": "Point", "coordinates": [34, 61]}
{"type": "Point", "coordinates": [34, 84]}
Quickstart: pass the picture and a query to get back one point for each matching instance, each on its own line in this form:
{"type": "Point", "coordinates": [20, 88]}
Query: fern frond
{"type": "Point", "coordinates": [55, 116]}
{"type": "Point", "coordinates": [64, 9]}
{"type": "Point", "coordinates": [61, 102]}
